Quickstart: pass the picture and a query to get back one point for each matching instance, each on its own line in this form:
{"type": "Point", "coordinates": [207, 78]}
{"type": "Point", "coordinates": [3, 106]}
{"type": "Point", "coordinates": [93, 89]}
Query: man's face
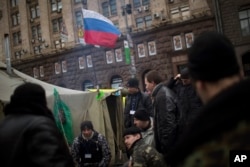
{"type": "Point", "coordinates": [87, 132]}
{"type": "Point", "coordinates": [130, 139]}
{"type": "Point", "coordinates": [132, 90]}
{"type": "Point", "coordinates": [149, 86]}
{"type": "Point", "coordinates": [139, 123]}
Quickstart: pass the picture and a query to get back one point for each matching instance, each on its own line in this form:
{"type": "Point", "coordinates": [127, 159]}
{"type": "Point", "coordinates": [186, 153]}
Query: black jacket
{"type": "Point", "coordinates": [166, 119]}
{"type": "Point", "coordinates": [188, 99]}
{"type": "Point", "coordinates": [143, 102]}
{"type": "Point", "coordinates": [29, 137]}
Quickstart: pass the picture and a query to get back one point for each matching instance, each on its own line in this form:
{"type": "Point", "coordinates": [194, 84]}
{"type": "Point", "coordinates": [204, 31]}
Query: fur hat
{"type": "Point", "coordinates": [133, 83]}
{"type": "Point", "coordinates": [131, 131]}
{"type": "Point", "coordinates": [86, 125]}
{"type": "Point", "coordinates": [142, 115]}
{"type": "Point", "coordinates": [207, 55]}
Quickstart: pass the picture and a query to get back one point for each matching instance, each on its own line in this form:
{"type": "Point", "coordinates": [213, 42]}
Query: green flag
{"type": "Point", "coordinates": [127, 52]}
{"type": "Point", "coordinates": [63, 118]}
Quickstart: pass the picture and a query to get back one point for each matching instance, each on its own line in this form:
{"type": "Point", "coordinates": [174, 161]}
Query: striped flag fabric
{"type": "Point", "coordinates": [99, 30]}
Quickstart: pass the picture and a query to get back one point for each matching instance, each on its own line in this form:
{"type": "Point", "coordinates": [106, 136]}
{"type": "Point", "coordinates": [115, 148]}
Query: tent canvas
{"type": "Point", "coordinates": [83, 105]}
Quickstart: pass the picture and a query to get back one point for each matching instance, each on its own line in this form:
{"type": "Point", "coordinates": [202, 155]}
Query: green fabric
{"type": "Point", "coordinates": [127, 52]}
{"type": "Point", "coordinates": [63, 118]}
{"type": "Point", "coordinates": [100, 95]}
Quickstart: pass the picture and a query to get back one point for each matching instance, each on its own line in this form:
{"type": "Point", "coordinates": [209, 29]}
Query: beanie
{"type": "Point", "coordinates": [208, 56]}
{"type": "Point", "coordinates": [142, 115]}
{"type": "Point", "coordinates": [131, 131]}
{"type": "Point", "coordinates": [184, 73]}
{"type": "Point", "coordinates": [133, 83]}
{"type": "Point", "coordinates": [29, 93]}
{"type": "Point", "coordinates": [86, 125]}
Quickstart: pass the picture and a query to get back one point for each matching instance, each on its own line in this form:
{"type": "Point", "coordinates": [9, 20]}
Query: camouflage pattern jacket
{"type": "Point", "coordinates": [102, 143]}
{"type": "Point", "coordinates": [143, 155]}
{"type": "Point", "coordinates": [223, 126]}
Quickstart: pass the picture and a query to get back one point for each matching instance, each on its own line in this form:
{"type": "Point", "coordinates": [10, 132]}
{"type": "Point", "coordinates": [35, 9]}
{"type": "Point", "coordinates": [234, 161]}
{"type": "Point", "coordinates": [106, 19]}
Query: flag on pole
{"type": "Point", "coordinates": [127, 52]}
{"type": "Point", "coordinates": [99, 30]}
{"type": "Point", "coordinates": [63, 118]}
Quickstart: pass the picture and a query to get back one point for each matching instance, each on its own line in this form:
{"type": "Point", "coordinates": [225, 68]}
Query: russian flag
{"type": "Point", "coordinates": [98, 30]}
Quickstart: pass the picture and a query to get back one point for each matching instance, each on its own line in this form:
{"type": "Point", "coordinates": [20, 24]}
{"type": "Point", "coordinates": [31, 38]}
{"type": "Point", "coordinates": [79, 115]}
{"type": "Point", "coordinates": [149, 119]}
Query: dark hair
{"type": "Point", "coordinates": [86, 125]}
{"type": "Point", "coordinates": [153, 76]}
{"type": "Point", "coordinates": [208, 56]}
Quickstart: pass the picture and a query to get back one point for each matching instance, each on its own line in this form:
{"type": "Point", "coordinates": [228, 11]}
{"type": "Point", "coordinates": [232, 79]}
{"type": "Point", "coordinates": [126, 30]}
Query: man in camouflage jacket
{"type": "Point", "coordinates": [141, 154]}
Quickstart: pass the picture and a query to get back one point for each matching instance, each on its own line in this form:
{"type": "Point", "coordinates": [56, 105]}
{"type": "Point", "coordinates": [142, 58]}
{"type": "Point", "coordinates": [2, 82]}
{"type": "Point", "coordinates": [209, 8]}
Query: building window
{"type": "Point", "coordinates": [244, 17]}
{"type": "Point", "coordinates": [36, 31]}
{"type": "Point", "coordinates": [145, 2]}
{"type": "Point", "coordinates": [37, 49]}
{"type": "Point", "coordinates": [116, 82]}
{"type": "Point", "coordinates": [17, 38]}
{"type": "Point", "coordinates": [77, 1]}
{"type": "Point", "coordinates": [136, 3]}
{"type": "Point", "coordinates": [105, 9]}
{"type": "Point", "coordinates": [56, 24]}
{"type": "Point", "coordinates": [56, 5]}
{"type": "Point", "coordinates": [175, 13]}
{"type": "Point", "coordinates": [113, 7]}
{"type": "Point", "coordinates": [79, 19]}
{"type": "Point", "coordinates": [142, 22]}
{"type": "Point", "coordinates": [87, 84]}
{"type": "Point", "coordinates": [14, 3]}
{"type": "Point", "coordinates": [35, 11]}
{"type": "Point", "coordinates": [148, 21]}
{"type": "Point", "coordinates": [139, 22]}
{"type": "Point", "coordinates": [15, 19]}
{"type": "Point", "coordinates": [185, 12]}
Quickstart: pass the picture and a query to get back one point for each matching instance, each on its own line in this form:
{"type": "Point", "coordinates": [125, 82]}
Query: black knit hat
{"type": "Point", "coordinates": [131, 131]}
{"type": "Point", "coordinates": [184, 73]}
{"type": "Point", "coordinates": [133, 83]}
{"type": "Point", "coordinates": [142, 115]}
{"type": "Point", "coordinates": [212, 57]}
{"type": "Point", "coordinates": [29, 93]}
{"type": "Point", "coordinates": [86, 125]}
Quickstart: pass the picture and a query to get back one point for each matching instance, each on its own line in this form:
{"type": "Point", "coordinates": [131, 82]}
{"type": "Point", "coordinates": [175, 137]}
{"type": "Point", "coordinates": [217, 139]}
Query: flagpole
{"type": "Point", "coordinates": [130, 43]}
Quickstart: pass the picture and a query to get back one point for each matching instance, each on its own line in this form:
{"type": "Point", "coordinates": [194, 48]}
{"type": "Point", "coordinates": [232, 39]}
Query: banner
{"type": "Point", "coordinates": [63, 118]}
{"type": "Point", "coordinates": [127, 52]}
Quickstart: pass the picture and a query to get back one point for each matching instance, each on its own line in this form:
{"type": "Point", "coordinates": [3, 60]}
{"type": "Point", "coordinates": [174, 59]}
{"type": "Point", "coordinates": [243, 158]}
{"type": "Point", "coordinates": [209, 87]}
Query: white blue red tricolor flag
{"type": "Point", "coordinates": [99, 30]}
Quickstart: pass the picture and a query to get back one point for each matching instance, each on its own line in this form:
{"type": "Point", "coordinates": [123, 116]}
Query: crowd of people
{"type": "Point", "coordinates": [195, 119]}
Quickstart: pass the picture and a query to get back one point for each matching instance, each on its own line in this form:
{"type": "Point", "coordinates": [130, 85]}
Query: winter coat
{"type": "Point", "coordinates": [143, 101]}
{"type": "Point", "coordinates": [166, 119]}
{"type": "Point", "coordinates": [30, 137]}
{"type": "Point", "coordinates": [188, 99]}
{"type": "Point", "coordinates": [223, 126]}
{"type": "Point", "coordinates": [97, 147]}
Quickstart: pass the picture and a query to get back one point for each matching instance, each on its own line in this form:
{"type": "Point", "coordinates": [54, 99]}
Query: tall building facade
{"type": "Point", "coordinates": [44, 37]}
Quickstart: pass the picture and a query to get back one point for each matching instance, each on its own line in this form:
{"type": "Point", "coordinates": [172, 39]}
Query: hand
{"type": "Point", "coordinates": [177, 76]}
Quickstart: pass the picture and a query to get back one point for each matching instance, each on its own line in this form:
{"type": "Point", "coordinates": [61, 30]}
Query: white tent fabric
{"type": "Point", "coordinates": [83, 105]}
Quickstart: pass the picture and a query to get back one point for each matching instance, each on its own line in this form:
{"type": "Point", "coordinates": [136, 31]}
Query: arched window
{"type": "Point", "coordinates": [116, 82]}
{"type": "Point", "coordinates": [87, 84]}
